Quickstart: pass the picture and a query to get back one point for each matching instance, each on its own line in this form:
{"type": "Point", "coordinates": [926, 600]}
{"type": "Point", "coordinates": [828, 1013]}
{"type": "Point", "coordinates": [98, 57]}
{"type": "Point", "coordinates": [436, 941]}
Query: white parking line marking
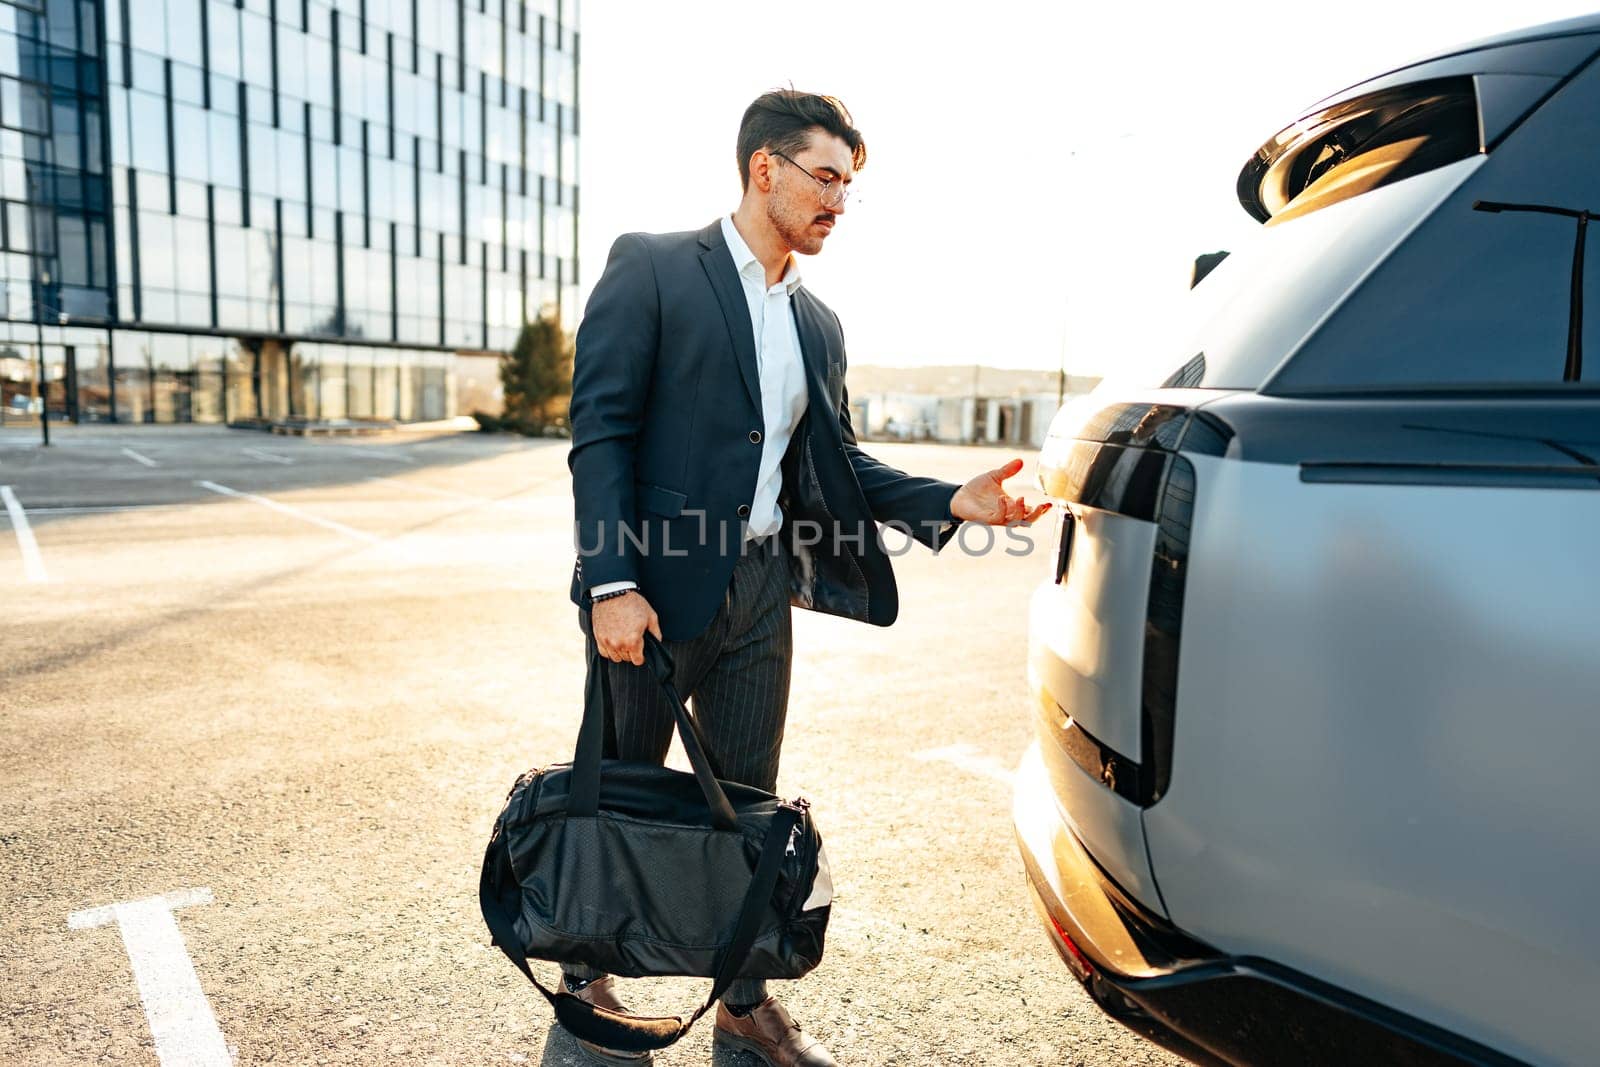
{"type": "Point", "coordinates": [508, 502]}
{"type": "Point", "coordinates": [107, 509]}
{"type": "Point", "coordinates": [968, 759]}
{"type": "Point", "coordinates": [180, 1017]}
{"type": "Point", "coordinates": [329, 524]}
{"type": "Point", "coordinates": [374, 453]}
{"type": "Point", "coordinates": [32, 562]}
{"type": "Point", "coordinates": [256, 453]}
{"type": "Point", "coordinates": [450, 493]}
{"type": "Point", "coordinates": [146, 460]}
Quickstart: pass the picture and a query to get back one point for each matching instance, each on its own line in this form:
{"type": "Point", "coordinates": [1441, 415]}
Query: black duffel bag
{"type": "Point", "coordinates": [639, 870]}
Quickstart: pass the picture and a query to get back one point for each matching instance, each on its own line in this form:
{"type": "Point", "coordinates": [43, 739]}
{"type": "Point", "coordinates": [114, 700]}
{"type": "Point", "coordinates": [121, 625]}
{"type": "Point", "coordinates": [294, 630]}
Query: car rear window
{"type": "Point", "coordinates": [1360, 145]}
{"type": "Point", "coordinates": [1238, 325]}
{"type": "Point", "coordinates": [1482, 295]}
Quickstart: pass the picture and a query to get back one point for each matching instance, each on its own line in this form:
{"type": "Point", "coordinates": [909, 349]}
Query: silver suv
{"type": "Point", "coordinates": [1318, 665]}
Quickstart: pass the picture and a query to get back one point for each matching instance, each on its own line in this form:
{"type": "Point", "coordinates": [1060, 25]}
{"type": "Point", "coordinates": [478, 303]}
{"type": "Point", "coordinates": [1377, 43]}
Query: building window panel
{"type": "Point", "coordinates": [454, 119]}
{"type": "Point", "coordinates": [258, 266]}
{"type": "Point", "coordinates": [147, 73]}
{"type": "Point", "coordinates": [153, 190]}
{"type": "Point", "coordinates": [258, 105]}
{"type": "Point", "coordinates": [233, 313]}
{"type": "Point", "coordinates": [120, 148]}
{"type": "Point", "coordinates": [324, 279]}
{"type": "Point", "coordinates": [191, 136]}
{"type": "Point", "coordinates": [255, 39]}
{"type": "Point", "coordinates": [405, 104]}
{"type": "Point", "coordinates": [318, 82]}
{"type": "Point", "coordinates": [183, 30]}
{"type": "Point", "coordinates": [324, 178]}
{"type": "Point", "coordinates": [24, 106]}
{"type": "Point", "coordinates": [224, 149]}
{"type": "Point", "coordinates": [147, 21]}
{"type": "Point", "coordinates": [67, 133]}
{"type": "Point", "coordinates": [227, 205]}
{"type": "Point", "coordinates": [384, 202]}
{"type": "Point", "coordinates": [322, 124]}
{"type": "Point", "coordinates": [192, 199]}
{"type": "Point", "coordinates": [298, 319]}
{"type": "Point", "coordinates": [157, 268]}
{"type": "Point", "coordinates": [232, 272]}
{"type": "Point", "coordinates": [155, 305]}
{"type": "Point", "coordinates": [293, 64]}
{"type": "Point", "coordinates": [191, 259]}
{"type": "Point", "coordinates": [352, 91]}
{"type": "Point", "coordinates": [297, 271]}
{"type": "Point", "coordinates": [260, 315]}
{"type": "Point", "coordinates": [73, 250]}
{"type": "Point", "coordinates": [375, 89]}
{"type": "Point", "coordinates": [223, 23]}
{"type": "Point", "coordinates": [435, 202]}
{"type": "Point", "coordinates": [350, 192]}
{"type": "Point", "coordinates": [291, 166]}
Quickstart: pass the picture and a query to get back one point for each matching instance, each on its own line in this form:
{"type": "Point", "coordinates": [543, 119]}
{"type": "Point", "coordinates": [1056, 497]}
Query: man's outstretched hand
{"type": "Point", "coordinates": [983, 500]}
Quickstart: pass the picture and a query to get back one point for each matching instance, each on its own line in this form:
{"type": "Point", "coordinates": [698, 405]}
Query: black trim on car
{"type": "Point", "coordinates": [1068, 526]}
{"type": "Point", "coordinates": [1099, 760]}
{"type": "Point", "coordinates": [1476, 476]}
{"type": "Point", "coordinates": [1205, 1005]}
{"type": "Point", "coordinates": [1504, 431]}
{"type": "Point", "coordinates": [1163, 627]}
{"type": "Point", "coordinates": [1115, 478]}
{"type": "Point", "coordinates": [1126, 461]}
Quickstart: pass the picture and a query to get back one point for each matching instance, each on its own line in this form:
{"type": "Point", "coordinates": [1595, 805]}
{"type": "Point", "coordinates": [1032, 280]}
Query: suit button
{"type": "Point", "coordinates": [755, 437]}
{"type": "Point", "coordinates": [744, 511]}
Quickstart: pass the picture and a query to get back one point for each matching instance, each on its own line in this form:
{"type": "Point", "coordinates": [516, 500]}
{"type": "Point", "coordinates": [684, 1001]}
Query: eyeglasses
{"type": "Point", "coordinates": [833, 192]}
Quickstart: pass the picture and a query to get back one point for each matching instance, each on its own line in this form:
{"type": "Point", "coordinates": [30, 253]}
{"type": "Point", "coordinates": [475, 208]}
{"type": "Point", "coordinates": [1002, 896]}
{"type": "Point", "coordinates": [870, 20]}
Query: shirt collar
{"type": "Point", "coordinates": [746, 263]}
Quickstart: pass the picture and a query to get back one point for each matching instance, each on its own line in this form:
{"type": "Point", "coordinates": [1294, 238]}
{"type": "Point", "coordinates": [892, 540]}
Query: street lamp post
{"type": "Point", "coordinates": [39, 283]}
{"type": "Point", "coordinates": [44, 392]}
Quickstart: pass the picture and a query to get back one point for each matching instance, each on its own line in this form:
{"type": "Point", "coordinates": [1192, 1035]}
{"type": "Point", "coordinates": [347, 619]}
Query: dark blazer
{"type": "Point", "coordinates": [666, 440]}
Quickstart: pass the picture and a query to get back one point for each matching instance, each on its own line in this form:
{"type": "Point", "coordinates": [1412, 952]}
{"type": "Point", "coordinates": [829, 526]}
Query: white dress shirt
{"type": "Point", "coordinates": [783, 380]}
{"type": "Point", "coordinates": [783, 377]}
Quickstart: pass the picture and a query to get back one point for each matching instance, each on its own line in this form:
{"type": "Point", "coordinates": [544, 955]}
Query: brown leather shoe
{"type": "Point", "coordinates": [770, 1033]}
{"type": "Point", "coordinates": [601, 994]}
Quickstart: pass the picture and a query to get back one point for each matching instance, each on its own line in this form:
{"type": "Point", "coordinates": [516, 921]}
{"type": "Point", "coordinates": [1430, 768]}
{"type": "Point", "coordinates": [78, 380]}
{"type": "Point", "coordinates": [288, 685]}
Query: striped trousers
{"type": "Point", "coordinates": [735, 676]}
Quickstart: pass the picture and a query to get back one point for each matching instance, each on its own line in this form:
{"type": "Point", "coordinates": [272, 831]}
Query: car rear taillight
{"type": "Point", "coordinates": [1077, 962]}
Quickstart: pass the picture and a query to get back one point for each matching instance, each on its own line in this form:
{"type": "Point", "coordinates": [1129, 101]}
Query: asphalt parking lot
{"type": "Point", "coordinates": [263, 697]}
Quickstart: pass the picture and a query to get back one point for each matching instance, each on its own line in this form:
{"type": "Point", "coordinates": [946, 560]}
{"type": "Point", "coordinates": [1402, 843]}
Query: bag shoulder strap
{"type": "Point", "coordinates": [633, 1033]}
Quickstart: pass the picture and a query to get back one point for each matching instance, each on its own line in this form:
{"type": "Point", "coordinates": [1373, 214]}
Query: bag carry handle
{"type": "Point", "coordinates": [637, 1033]}
{"type": "Point", "coordinates": [585, 797]}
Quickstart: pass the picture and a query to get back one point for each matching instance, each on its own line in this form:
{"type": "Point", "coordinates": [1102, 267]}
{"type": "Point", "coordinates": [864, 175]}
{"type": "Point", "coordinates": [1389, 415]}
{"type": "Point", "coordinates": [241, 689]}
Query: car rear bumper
{"type": "Point", "coordinates": [1203, 1004]}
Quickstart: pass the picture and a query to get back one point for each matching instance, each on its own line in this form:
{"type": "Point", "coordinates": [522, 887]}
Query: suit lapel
{"type": "Point", "coordinates": [813, 351]}
{"type": "Point", "coordinates": [718, 264]}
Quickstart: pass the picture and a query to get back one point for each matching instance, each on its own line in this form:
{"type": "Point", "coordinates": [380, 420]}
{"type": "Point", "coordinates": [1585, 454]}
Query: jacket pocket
{"type": "Point", "coordinates": [659, 499]}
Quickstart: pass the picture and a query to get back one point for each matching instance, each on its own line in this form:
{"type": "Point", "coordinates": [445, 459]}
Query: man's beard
{"type": "Point", "coordinates": [795, 231]}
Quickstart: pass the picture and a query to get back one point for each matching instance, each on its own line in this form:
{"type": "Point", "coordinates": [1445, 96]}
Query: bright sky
{"type": "Point", "coordinates": [1040, 175]}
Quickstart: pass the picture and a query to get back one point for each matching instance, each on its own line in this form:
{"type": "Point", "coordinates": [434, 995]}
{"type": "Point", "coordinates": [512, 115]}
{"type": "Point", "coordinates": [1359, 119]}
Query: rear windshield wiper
{"type": "Point", "coordinates": [1574, 368]}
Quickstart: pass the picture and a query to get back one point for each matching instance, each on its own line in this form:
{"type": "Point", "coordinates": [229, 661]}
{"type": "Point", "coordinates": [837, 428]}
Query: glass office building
{"type": "Point", "coordinates": [220, 211]}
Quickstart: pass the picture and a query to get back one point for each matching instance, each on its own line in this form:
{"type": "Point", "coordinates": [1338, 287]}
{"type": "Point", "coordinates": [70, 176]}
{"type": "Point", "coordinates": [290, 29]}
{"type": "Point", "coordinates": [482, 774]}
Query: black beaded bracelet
{"type": "Point", "coordinates": [607, 596]}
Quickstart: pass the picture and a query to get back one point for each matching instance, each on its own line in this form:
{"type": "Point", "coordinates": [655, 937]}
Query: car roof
{"type": "Point", "coordinates": [1565, 28]}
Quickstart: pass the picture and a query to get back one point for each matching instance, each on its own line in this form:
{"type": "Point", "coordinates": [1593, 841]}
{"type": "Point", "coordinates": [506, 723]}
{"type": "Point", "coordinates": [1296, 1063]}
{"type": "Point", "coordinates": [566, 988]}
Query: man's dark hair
{"type": "Point", "coordinates": [782, 121]}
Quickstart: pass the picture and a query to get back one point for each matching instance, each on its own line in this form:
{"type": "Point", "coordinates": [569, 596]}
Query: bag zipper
{"type": "Point", "coordinates": [802, 806]}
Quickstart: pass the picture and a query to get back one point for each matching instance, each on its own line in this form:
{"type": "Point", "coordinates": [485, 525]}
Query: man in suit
{"type": "Point", "coordinates": [717, 480]}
